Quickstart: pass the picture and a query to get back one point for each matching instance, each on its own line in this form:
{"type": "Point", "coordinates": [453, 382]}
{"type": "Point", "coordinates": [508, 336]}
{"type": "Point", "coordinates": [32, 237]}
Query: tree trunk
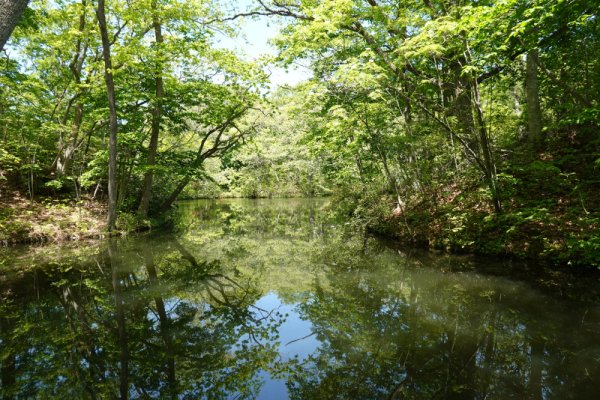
{"type": "Point", "coordinates": [68, 147]}
{"type": "Point", "coordinates": [156, 117]}
{"type": "Point", "coordinates": [112, 144]}
{"type": "Point", "coordinates": [67, 150]}
{"type": "Point", "coordinates": [462, 109]}
{"type": "Point", "coordinates": [486, 148]}
{"type": "Point", "coordinates": [394, 187]}
{"type": "Point", "coordinates": [458, 96]}
{"type": "Point", "coordinates": [166, 205]}
{"type": "Point", "coordinates": [534, 117]}
{"type": "Point", "coordinates": [488, 165]}
{"type": "Point", "coordinates": [10, 14]}
{"type": "Point", "coordinates": [123, 176]}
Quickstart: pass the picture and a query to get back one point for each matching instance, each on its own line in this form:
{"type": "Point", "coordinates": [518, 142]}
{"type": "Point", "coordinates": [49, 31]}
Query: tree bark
{"type": "Point", "coordinates": [68, 147]}
{"type": "Point", "coordinates": [534, 117]}
{"type": "Point", "coordinates": [486, 148]}
{"type": "Point", "coordinates": [10, 14]}
{"type": "Point", "coordinates": [112, 143]}
{"type": "Point", "coordinates": [166, 205]}
{"type": "Point", "coordinates": [156, 116]}
{"type": "Point", "coordinates": [67, 150]}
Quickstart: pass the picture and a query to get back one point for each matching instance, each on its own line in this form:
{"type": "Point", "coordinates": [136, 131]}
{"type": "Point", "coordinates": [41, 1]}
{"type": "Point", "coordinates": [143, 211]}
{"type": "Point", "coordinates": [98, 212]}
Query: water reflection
{"type": "Point", "coordinates": [395, 335]}
{"type": "Point", "coordinates": [153, 322]}
{"type": "Point", "coordinates": [272, 299]}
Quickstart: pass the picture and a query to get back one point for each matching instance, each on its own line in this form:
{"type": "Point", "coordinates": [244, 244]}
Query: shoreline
{"type": "Point", "coordinates": [56, 221]}
{"type": "Point", "coordinates": [51, 220]}
{"type": "Point", "coordinates": [555, 241]}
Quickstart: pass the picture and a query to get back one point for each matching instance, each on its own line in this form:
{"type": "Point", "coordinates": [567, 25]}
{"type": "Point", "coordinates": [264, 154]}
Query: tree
{"type": "Point", "coordinates": [370, 28]}
{"type": "Point", "coordinates": [10, 13]}
{"type": "Point", "coordinates": [276, 161]}
{"type": "Point", "coordinates": [113, 124]}
{"type": "Point", "coordinates": [156, 113]}
{"type": "Point", "coordinates": [170, 89]}
{"type": "Point", "coordinates": [534, 117]}
{"type": "Point", "coordinates": [440, 67]}
{"type": "Point", "coordinates": [214, 141]}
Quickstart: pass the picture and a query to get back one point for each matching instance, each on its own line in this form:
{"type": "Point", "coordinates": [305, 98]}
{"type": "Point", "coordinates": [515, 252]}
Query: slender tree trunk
{"type": "Point", "coordinates": [112, 145]}
{"type": "Point", "coordinates": [360, 168]}
{"type": "Point", "coordinates": [156, 116]}
{"type": "Point", "coordinates": [171, 199]}
{"type": "Point", "coordinates": [488, 165]}
{"type": "Point", "coordinates": [534, 116]}
{"type": "Point", "coordinates": [394, 187]}
{"type": "Point", "coordinates": [486, 149]}
{"type": "Point", "coordinates": [462, 109]}
{"type": "Point", "coordinates": [458, 89]}
{"type": "Point", "coordinates": [68, 147]}
{"type": "Point", "coordinates": [67, 150]}
{"type": "Point", "coordinates": [10, 14]}
{"type": "Point", "coordinates": [123, 177]}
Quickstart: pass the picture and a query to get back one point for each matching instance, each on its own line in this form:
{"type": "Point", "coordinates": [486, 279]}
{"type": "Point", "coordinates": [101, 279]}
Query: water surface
{"type": "Point", "coordinates": [276, 299]}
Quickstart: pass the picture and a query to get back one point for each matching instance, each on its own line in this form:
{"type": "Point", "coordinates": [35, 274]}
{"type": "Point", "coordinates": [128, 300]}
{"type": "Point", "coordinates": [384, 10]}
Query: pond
{"type": "Point", "coordinates": [276, 299]}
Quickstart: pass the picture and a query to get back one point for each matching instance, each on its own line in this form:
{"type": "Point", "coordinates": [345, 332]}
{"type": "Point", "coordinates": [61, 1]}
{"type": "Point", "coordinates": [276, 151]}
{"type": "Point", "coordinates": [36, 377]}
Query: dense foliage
{"type": "Point", "coordinates": [276, 162]}
{"type": "Point", "coordinates": [179, 99]}
{"type": "Point", "coordinates": [464, 124]}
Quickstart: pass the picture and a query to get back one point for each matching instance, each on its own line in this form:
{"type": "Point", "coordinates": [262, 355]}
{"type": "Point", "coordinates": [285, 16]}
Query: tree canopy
{"type": "Point", "coordinates": [429, 119]}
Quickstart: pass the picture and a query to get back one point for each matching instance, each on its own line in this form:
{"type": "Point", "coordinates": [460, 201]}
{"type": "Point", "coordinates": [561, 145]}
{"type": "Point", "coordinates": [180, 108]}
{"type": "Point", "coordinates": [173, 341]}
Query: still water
{"type": "Point", "coordinates": [277, 299]}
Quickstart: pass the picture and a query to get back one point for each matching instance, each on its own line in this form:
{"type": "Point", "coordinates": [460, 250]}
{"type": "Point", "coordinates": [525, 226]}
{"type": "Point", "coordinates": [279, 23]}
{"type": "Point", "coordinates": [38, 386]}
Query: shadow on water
{"type": "Point", "coordinates": [275, 299]}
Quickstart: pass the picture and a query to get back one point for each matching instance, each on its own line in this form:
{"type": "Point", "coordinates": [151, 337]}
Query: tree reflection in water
{"type": "Point", "coordinates": [183, 315]}
{"type": "Point", "coordinates": [110, 327]}
{"type": "Point", "coordinates": [414, 333]}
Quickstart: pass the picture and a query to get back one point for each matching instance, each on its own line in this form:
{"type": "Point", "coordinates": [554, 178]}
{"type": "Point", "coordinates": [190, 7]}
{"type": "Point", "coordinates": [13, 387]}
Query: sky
{"type": "Point", "coordinates": [254, 42]}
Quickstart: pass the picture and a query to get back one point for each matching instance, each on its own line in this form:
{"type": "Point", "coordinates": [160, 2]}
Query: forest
{"type": "Point", "coordinates": [299, 199]}
{"type": "Point", "coordinates": [470, 126]}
